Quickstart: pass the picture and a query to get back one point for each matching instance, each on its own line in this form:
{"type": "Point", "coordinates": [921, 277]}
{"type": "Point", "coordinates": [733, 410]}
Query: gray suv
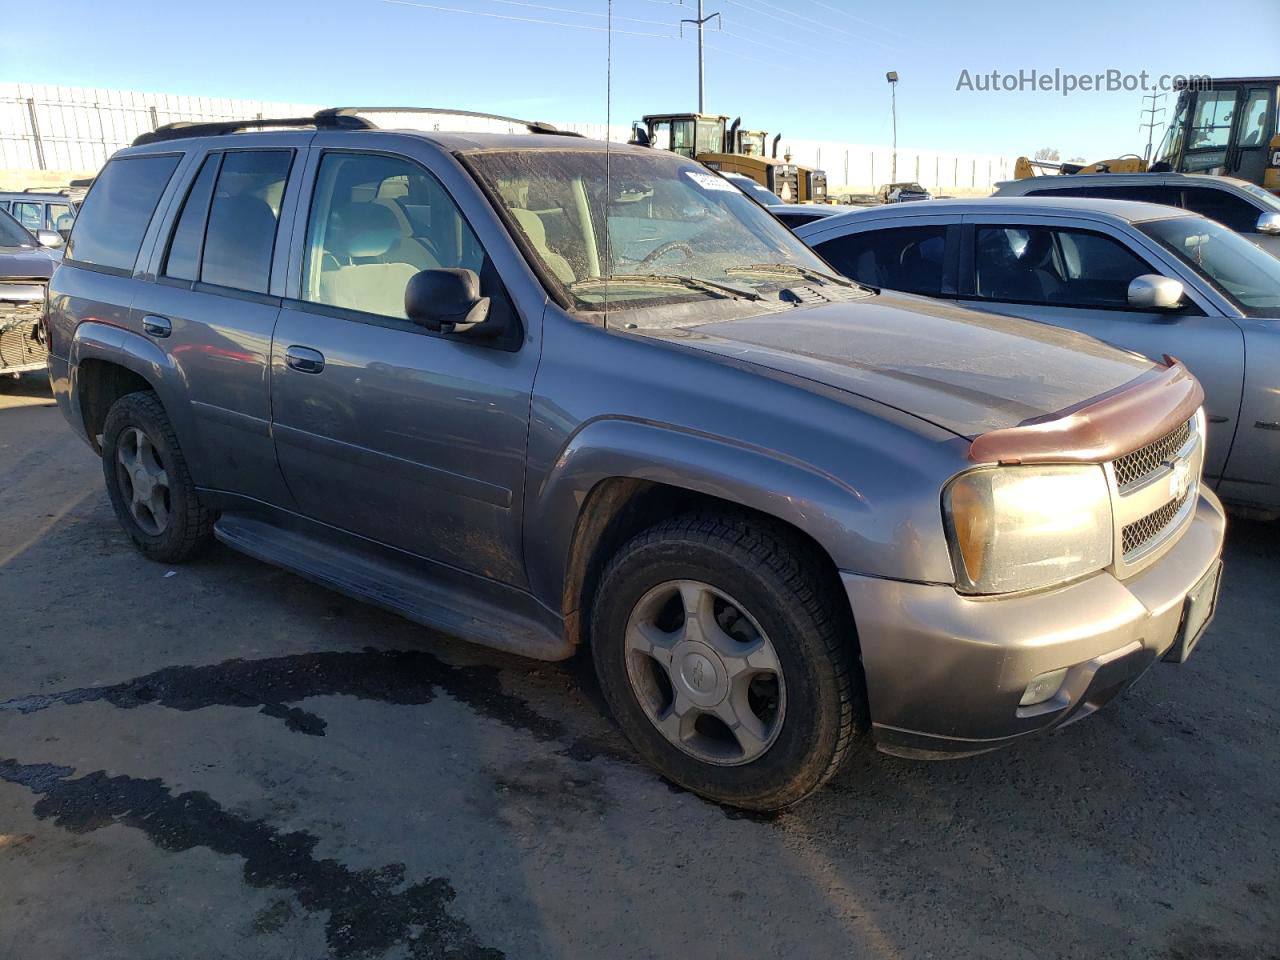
{"type": "Point", "coordinates": [547, 393]}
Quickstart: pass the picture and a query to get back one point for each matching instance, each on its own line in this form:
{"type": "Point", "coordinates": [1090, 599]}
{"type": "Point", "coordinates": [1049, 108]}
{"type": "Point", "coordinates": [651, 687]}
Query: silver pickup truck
{"type": "Point", "coordinates": [552, 394]}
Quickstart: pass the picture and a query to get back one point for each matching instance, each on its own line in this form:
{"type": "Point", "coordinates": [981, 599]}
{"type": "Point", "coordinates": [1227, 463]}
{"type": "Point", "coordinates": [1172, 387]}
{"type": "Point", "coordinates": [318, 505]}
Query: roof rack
{"type": "Point", "coordinates": [333, 118]}
{"type": "Point", "coordinates": [533, 126]}
{"type": "Point", "coordinates": [186, 129]}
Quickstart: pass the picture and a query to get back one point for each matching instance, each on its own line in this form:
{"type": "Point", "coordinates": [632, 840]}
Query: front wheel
{"type": "Point", "coordinates": [150, 487]}
{"type": "Point", "coordinates": [725, 662]}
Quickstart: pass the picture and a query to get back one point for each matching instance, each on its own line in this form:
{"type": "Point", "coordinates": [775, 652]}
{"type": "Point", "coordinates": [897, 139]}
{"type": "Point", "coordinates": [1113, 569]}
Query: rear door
{"type": "Point", "coordinates": [217, 269]}
{"type": "Point", "coordinates": [385, 429]}
{"type": "Point", "coordinates": [1076, 274]}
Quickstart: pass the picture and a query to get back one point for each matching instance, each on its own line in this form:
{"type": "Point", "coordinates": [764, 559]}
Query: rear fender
{"type": "Point", "coordinates": [134, 352]}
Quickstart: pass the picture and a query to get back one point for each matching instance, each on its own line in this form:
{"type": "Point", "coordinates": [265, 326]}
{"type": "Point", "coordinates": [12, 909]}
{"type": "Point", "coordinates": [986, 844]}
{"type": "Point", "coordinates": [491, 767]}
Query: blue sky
{"type": "Point", "coordinates": [812, 69]}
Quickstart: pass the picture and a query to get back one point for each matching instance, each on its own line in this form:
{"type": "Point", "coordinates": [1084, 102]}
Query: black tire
{"type": "Point", "coordinates": [189, 525]}
{"type": "Point", "coordinates": [790, 596]}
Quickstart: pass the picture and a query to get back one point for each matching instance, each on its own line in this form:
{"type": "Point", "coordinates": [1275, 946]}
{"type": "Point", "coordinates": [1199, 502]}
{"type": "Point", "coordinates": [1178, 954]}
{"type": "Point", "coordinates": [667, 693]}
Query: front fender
{"type": "Point", "coordinates": [835, 514]}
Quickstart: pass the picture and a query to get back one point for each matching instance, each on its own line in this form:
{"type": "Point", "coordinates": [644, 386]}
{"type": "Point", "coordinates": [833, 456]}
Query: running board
{"type": "Point", "coordinates": [398, 586]}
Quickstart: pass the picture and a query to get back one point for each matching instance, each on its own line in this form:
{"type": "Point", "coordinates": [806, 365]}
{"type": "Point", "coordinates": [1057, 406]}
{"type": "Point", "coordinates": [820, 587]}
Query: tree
{"type": "Point", "coordinates": [1077, 160]}
{"type": "Point", "coordinates": [1048, 153]}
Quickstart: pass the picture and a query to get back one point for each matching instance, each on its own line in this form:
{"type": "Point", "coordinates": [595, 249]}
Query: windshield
{"type": "Point", "coordinates": [1268, 199]}
{"type": "Point", "coordinates": [13, 234]}
{"type": "Point", "coordinates": [675, 229]}
{"type": "Point", "coordinates": [1245, 274]}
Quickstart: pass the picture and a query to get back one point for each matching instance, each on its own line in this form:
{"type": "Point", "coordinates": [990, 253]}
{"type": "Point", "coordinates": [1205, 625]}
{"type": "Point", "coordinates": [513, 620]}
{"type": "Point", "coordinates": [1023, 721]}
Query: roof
{"type": "Point", "coordinates": [1119, 211]}
{"type": "Point", "coordinates": [1083, 179]}
{"type": "Point", "coordinates": [353, 119]}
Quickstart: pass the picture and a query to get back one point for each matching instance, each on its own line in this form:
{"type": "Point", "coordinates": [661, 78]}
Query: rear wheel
{"type": "Point", "coordinates": [725, 662]}
{"type": "Point", "coordinates": [148, 482]}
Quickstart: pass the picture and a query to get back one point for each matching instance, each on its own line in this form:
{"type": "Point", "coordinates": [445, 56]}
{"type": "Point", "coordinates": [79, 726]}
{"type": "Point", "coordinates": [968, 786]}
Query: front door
{"type": "Point", "coordinates": [1078, 276]}
{"type": "Point", "coordinates": [384, 429]}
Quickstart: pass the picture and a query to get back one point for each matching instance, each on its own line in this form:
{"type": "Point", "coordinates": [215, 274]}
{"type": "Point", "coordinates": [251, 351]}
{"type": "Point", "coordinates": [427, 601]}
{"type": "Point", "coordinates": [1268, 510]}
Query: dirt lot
{"type": "Point", "coordinates": [221, 760]}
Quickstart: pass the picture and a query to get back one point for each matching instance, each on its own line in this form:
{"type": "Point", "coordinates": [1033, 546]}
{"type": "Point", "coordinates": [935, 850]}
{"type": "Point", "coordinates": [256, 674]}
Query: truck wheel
{"type": "Point", "coordinates": [148, 481]}
{"type": "Point", "coordinates": [725, 661]}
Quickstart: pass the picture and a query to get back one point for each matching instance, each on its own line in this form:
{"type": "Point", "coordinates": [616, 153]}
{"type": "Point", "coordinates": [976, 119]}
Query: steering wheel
{"type": "Point", "coordinates": [664, 248]}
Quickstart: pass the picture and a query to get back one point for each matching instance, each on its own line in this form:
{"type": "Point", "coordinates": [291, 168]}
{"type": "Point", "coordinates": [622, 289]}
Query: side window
{"type": "Point", "coordinates": [1143, 193]}
{"type": "Point", "coordinates": [902, 258]}
{"type": "Point", "coordinates": [60, 217]}
{"type": "Point", "coordinates": [30, 215]}
{"type": "Point", "coordinates": [241, 233]}
{"type": "Point", "coordinates": [115, 214]}
{"type": "Point", "coordinates": [183, 258]}
{"type": "Point", "coordinates": [375, 221]}
{"type": "Point", "coordinates": [1072, 268]}
{"type": "Point", "coordinates": [1253, 131]}
{"type": "Point", "coordinates": [1228, 209]}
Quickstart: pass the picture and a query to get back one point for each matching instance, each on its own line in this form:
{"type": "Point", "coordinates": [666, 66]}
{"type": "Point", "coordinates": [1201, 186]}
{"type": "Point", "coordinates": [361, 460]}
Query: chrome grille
{"type": "Point", "coordinates": [1141, 532]}
{"type": "Point", "coordinates": [1136, 466]}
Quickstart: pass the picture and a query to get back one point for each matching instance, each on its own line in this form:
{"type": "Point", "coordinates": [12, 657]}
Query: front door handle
{"type": "Point", "coordinates": [157, 326]}
{"type": "Point", "coordinates": [304, 359]}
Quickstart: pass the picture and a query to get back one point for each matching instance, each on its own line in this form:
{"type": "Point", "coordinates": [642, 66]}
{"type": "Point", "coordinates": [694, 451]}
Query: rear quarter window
{"type": "Point", "coordinates": [115, 214]}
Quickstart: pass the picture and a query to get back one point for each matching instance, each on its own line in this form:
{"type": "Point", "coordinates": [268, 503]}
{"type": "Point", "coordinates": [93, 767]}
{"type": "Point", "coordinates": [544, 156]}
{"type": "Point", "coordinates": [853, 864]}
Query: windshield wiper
{"type": "Point", "coordinates": [792, 269]}
{"type": "Point", "coordinates": [697, 283]}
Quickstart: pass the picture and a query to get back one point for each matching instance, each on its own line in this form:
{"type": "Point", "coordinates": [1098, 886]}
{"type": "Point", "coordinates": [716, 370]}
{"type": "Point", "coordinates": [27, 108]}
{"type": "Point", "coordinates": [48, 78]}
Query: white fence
{"type": "Point", "coordinates": [78, 128]}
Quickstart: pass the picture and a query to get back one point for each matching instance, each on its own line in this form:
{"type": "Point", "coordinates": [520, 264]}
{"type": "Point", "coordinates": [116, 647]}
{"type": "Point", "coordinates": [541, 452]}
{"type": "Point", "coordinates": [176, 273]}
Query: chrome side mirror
{"type": "Point", "coordinates": [1154, 292]}
{"type": "Point", "coordinates": [1268, 223]}
{"type": "Point", "coordinates": [49, 238]}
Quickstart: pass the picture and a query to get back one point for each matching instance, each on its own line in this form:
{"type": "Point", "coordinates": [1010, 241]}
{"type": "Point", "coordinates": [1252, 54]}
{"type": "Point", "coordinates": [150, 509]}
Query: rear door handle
{"type": "Point", "coordinates": [304, 359]}
{"type": "Point", "coordinates": [157, 326]}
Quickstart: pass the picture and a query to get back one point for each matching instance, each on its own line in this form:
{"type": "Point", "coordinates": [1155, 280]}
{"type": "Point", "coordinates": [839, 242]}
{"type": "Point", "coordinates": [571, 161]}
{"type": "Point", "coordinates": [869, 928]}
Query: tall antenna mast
{"type": "Point", "coordinates": [1151, 124]}
{"type": "Point", "coordinates": [700, 23]}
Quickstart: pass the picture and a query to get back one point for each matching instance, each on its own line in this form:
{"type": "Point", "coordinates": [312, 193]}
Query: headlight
{"type": "Point", "coordinates": [1018, 528]}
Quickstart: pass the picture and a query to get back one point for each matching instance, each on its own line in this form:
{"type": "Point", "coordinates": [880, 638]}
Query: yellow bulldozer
{"type": "Point", "coordinates": [712, 141]}
{"type": "Point", "coordinates": [1026, 167]}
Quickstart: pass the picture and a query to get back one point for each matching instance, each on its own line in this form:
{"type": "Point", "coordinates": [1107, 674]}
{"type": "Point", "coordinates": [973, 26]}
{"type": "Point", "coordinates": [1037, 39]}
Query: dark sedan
{"type": "Point", "coordinates": [25, 268]}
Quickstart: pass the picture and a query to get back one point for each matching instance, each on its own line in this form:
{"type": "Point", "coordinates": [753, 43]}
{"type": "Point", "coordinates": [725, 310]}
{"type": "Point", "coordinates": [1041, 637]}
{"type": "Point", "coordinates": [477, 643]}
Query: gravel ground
{"type": "Point", "coordinates": [222, 760]}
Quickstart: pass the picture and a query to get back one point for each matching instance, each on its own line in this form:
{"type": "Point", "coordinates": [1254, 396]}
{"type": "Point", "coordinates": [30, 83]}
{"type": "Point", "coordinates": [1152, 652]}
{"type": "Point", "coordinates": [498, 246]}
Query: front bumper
{"type": "Point", "coordinates": [945, 672]}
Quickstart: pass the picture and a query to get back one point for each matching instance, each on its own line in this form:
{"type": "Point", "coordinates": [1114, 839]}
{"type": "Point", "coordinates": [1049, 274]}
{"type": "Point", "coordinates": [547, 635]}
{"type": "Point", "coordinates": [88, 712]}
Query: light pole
{"type": "Point", "coordinates": [700, 23]}
{"type": "Point", "coordinates": [892, 77]}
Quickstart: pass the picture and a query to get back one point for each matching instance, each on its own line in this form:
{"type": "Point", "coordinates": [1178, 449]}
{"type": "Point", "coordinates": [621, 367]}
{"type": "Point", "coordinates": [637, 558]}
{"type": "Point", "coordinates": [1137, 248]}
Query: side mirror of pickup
{"type": "Point", "coordinates": [447, 300]}
{"type": "Point", "coordinates": [1154, 292]}
{"type": "Point", "coordinates": [49, 238]}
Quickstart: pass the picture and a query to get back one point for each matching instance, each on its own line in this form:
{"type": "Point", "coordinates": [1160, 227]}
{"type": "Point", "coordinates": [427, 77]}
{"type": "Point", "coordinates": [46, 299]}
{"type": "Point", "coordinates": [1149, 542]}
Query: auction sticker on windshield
{"type": "Point", "coordinates": [709, 181]}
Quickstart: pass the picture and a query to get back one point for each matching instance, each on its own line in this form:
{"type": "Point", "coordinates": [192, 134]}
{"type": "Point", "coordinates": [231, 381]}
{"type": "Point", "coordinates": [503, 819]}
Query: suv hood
{"type": "Point", "coordinates": [965, 371]}
{"type": "Point", "coordinates": [26, 262]}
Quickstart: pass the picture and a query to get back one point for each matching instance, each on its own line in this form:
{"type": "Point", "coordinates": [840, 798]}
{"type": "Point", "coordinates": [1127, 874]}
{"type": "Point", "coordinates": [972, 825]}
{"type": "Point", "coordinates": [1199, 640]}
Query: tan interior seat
{"type": "Point", "coordinates": [367, 265]}
{"type": "Point", "coordinates": [536, 231]}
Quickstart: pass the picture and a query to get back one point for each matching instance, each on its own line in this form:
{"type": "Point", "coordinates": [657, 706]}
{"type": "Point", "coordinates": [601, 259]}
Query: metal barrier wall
{"type": "Point", "coordinates": [78, 128]}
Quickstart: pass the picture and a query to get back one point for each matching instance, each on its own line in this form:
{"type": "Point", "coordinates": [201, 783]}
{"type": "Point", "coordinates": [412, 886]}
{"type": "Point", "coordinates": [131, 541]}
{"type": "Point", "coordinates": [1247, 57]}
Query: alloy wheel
{"type": "Point", "coordinates": [143, 481]}
{"type": "Point", "coordinates": [705, 673]}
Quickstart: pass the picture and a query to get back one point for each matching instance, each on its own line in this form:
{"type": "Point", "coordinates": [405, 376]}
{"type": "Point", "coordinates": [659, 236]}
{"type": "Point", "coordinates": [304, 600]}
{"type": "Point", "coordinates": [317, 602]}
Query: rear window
{"type": "Point", "coordinates": [115, 214]}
